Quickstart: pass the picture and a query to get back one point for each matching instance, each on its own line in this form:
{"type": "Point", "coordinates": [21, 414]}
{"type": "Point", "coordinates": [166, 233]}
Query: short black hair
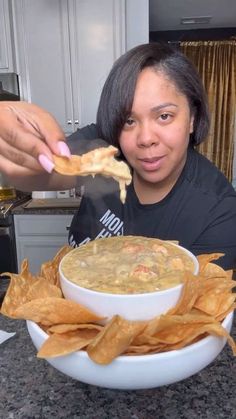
{"type": "Point", "coordinates": [118, 92]}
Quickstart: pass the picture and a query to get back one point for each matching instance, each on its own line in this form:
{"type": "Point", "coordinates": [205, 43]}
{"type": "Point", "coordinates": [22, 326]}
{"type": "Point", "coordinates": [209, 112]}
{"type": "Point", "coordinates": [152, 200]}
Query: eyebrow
{"type": "Point", "coordinates": [163, 105]}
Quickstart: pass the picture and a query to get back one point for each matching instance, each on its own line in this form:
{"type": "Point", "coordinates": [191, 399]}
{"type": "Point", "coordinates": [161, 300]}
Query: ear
{"type": "Point", "coordinates": [191, 125]}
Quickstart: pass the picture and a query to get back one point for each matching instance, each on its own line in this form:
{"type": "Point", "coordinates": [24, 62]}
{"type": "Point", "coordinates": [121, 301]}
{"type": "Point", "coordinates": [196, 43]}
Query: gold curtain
{"type": "Point", "coordinates": [216, 64]}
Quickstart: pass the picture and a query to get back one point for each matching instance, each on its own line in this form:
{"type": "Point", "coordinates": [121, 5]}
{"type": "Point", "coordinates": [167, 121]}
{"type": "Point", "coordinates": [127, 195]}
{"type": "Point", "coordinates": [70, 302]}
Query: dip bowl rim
{"type": "Point", "coordinates": [118, 296]}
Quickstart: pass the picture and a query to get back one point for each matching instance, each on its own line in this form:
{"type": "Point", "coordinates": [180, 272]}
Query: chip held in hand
{"type": "Point", "coordinates": [98, 161]}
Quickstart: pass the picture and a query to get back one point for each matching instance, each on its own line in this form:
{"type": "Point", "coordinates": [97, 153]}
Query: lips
{"type": "Point", "coordinates": [151, 163]}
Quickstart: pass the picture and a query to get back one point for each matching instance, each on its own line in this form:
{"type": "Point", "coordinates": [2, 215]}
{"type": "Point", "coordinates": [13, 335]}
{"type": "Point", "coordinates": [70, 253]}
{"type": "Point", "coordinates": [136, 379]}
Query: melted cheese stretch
{"type": "Point", "coordinates": [99, 161]}
{"type": "Point", "coordinates": [127, 265]}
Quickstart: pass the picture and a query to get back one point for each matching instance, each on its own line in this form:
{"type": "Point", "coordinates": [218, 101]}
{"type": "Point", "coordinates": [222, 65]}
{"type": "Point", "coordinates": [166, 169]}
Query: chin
{"type": "Point", "coordinates": [151, 178]}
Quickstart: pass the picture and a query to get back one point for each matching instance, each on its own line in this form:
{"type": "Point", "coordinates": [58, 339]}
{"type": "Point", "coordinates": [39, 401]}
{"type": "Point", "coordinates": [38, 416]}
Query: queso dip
{"type": "Point", "coordinates": [127, 265]}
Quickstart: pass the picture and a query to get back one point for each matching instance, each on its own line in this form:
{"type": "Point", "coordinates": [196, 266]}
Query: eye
{"type": "Point", "coordinates": [165, 116]}
{"type": "Point", "coordinates": [129, 121]}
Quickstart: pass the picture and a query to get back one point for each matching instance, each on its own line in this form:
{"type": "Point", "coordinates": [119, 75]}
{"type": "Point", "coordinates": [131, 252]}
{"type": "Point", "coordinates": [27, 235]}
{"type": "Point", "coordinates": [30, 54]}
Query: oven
{"type": "Point", "coordinates": [8, 259]}
{"type": "Point", "coordinates": [8, 255]}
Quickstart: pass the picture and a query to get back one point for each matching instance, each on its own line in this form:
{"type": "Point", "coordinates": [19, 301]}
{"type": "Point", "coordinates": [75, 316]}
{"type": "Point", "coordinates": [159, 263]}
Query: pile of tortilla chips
{"type": "Point", "coordinates": [205, 301]}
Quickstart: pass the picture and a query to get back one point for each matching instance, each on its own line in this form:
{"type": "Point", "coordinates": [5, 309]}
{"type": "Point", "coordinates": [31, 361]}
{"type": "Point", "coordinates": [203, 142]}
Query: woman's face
{"type": "Point", "coordinates": [155, 138]}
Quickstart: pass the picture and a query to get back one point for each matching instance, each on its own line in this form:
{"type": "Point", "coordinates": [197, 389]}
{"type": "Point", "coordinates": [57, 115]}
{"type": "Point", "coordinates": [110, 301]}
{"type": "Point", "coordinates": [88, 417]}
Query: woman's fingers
{"type": "Point", "coordinates": [28, 137]}
{"type": "Point", "coordinates": [39, 123]}
{"type": "Point", "coordinates": [13, 170]}
{"type": "Point", "coordinates": [19, 158]}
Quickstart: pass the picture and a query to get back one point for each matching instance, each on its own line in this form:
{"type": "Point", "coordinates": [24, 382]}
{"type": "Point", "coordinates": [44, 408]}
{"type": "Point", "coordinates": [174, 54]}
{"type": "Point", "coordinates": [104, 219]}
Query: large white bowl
{"type": "Point", "coordinates": [131, 306]}
{"type": "Point", "coordinates": [137, 372]}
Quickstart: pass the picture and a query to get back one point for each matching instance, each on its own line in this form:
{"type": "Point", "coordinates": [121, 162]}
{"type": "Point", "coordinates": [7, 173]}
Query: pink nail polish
{"type": "Point", "coordinates": [63, 149]}
{"type": "Point", "coordinates": [46, 163]}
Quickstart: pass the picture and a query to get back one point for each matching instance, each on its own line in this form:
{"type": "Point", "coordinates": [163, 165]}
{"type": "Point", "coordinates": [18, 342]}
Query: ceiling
{"type": "Point", "coordinates": [165, 15]}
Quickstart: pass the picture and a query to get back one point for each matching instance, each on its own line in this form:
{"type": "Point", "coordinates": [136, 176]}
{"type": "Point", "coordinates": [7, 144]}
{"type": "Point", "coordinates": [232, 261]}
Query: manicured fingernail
{"type": "Point", "coordinates": [46, 163]}
{"type": "Point", "coordinates": [63, 149]}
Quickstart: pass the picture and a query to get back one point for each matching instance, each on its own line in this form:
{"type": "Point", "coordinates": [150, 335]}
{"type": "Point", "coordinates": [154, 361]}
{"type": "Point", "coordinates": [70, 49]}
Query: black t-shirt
{"type": "Point", "coordinates": [199, 212]}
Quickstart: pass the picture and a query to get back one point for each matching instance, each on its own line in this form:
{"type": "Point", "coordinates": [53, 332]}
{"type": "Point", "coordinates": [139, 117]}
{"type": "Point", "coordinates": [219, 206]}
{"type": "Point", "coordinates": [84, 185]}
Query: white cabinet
{"type": "Point", "coordinates": [137, 22]}
{"type": "Point", "coordinates": [39, 237]}
{"type": "Point", "coordinates": [65, 49]}
{"type": "Point", "coordinates": [6, 46]}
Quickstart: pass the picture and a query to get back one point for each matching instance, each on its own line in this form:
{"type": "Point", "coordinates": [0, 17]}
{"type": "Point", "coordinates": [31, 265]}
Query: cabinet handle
{"type": "Point", "coordinates": [69, 122]}
{"type": "Point", "coordinates": [67, 228]}
{"type": "Point", "coordinates": [76, 122]}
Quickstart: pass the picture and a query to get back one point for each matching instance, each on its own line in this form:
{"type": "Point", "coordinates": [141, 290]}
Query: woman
{"type": "Point", "coordinates": [153, 108]}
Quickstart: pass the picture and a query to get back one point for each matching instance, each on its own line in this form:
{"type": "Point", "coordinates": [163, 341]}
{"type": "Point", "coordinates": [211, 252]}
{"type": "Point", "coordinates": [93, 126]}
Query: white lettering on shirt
{"type": "Point", "coordinates": [107, 217]}
{"type": "Point", "coordinates": [103, 233]}
{"type": "Point", "coordinates": [111, 225]}
{"type": "Point", "coordinates": [112, 222]}
{"type": "Point", "coordinates": [85, 241]}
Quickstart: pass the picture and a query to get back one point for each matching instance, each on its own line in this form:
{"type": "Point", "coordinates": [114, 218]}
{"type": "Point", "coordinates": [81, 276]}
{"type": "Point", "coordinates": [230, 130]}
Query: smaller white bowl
{"type": "Point", "coordinates": [130, 306]}
{"type": "Point", "coordinates": [140, 371]}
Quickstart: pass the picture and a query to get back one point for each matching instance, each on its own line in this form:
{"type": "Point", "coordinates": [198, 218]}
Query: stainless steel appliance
{"type": "Point", "coordinates": [9, 86]}
{"type": "Point", "coordinates": [8, 256]}
{"type": "Point", "coordinates": [8, 260]}
{"type": "Point", "coordinates": [5, 95]}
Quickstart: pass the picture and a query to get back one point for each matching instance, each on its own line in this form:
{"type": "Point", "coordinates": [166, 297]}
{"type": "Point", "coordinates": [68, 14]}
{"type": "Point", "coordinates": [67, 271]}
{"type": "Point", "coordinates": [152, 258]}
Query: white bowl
{"type": "Point", "coordinates": [130, 306]}
{"type": "Point", "coordinates": [140, 371]}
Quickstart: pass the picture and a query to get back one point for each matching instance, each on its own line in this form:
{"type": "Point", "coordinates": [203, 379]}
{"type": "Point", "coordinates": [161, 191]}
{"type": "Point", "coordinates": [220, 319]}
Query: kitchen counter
{"type": "Point", "coordinates": [31, 388]}
{"type": "Point", "coordinates": [48, 206]}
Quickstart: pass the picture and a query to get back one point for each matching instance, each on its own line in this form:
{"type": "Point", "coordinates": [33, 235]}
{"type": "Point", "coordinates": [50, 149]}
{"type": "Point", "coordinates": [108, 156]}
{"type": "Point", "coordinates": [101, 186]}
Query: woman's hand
{"type": "Point", "coordinates": [28, 137]}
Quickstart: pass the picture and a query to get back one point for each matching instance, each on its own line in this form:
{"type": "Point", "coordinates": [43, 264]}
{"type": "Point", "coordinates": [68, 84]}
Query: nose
{"type": "Point", "coordinates": [147, 136]}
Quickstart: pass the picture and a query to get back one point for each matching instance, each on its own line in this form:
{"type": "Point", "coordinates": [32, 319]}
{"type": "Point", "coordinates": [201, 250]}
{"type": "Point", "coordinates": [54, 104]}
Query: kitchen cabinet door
{"type": "Point", "coordinates": [43, 53]}
{"type": "Point", "coordinates": [65, 51]}
{"type": "Point", "coordinates": [38, 251]}
{"type": "Point", "coordinates": [97, 30]}
{"type": "Point", "coordinates": [39, 237]}
{"type": "Point", "coordinates": [6, 46]}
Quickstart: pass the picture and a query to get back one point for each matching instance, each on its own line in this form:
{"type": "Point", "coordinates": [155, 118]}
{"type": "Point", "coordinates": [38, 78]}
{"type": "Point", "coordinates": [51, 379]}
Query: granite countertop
{"type": "Point", "coordinates": [31, 388]}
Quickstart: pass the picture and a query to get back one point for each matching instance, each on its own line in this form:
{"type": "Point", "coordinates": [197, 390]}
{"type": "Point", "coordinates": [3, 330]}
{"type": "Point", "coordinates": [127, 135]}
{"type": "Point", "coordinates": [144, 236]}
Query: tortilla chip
{"type": "Point", "coordinates": [16, 294]}
{"type": "Point", "coordinates": [207, 258]}
{"type": "Point", "coordinates": [113, 340]}
{"type": "Point", "coordinates": [53, 310]}
{"type": "Point", "coordinates": [65, 343]}
{"type": "Point", "coordinates": [215, 329]}
{"type": "Point", "coordinates": [169, 329]}
{"type": "Point", "coordinates": [49, 269]}
{"type": "Point", "coordinates": [64, 328]}
{"type": "Point", "coordinates": [215, 304]}
{"type": "Point", "coordinates": [211, 269]}
{"type": "Point", "coordinates": [43, 289]}
{"type": "Point", "coordinates": [191, 290]}
{"type": "Point", "coordinates": [98, 161]}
